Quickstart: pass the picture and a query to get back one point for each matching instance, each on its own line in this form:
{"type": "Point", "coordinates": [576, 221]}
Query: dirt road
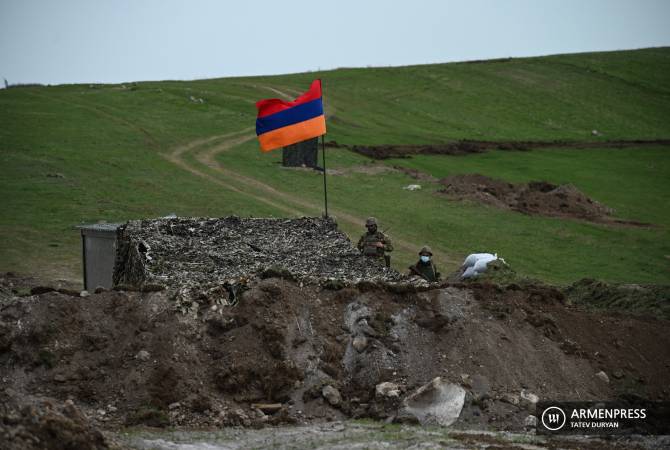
{"type": "Point", "coordinates": [205, 151]}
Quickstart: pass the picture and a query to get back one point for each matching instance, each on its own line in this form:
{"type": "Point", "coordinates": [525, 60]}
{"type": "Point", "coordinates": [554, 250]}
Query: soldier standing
{"type": "Point", "coordinates": [374, 243]}
{"type": "Point", "coordinates": [425, 267]}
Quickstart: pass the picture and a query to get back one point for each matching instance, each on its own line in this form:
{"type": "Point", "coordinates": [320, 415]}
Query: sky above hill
{"type": "Point", "coordinates": [84, 41]}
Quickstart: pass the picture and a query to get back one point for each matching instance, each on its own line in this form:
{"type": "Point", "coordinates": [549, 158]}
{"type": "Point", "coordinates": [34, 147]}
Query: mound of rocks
{"type": "Point", "coordinates": [199, 254]}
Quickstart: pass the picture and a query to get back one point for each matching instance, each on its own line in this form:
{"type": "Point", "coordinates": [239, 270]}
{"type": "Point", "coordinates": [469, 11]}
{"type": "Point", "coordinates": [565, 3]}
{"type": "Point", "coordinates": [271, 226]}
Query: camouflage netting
{"type": "Point", "coordinates": [195, 255]}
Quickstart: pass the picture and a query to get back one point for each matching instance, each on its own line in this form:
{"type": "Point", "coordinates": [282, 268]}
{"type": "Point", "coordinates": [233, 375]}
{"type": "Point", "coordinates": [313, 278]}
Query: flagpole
{"type": "Point", "coordinates": [325, 190]}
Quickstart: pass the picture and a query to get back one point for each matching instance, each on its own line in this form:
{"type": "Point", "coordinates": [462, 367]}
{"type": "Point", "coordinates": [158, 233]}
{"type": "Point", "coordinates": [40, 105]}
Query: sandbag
{"type": "Point", "coordinates": [473, 257]}
{"type": "Point", "coordinates": [476, 263]}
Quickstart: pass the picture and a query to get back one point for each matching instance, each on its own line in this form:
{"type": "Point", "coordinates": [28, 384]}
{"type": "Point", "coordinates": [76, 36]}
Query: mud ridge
{"type": "Point", "coordinates": [467, 146]}
{"type": "Point", "coordinates": [292, 353]}
{"type": "Point", "coordinates": [533, 198]}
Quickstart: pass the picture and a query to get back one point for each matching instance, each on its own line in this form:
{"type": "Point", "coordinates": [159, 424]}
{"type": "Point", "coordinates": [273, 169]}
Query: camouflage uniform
{"type": "Point", "coordinates": [367, 244]}
{"type": "Point", "coordinates": [426, 270]}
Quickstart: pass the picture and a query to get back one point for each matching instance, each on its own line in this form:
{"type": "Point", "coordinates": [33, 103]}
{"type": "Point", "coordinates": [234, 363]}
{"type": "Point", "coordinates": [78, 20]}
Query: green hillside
{"type": "Point", "coordinates": [75, 154]}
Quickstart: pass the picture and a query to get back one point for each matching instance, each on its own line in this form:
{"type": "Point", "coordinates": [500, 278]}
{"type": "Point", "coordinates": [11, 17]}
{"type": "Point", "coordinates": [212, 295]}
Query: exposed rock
{"type": "Point", "coordinates": [238, 416]}
{"type": "Point", "coordinates": [529, 399]}
{"type": "Point", "coordinates": [436, 403]}
{"type": "Point", "coordinates": [512, 399]}
{"type": "Point", "coordinates": [59, 378]}
{"type": "Point", "coordinates": [143, 355]}
{"type": "Point", "coordinates": [332, 395]}
{"type": "Point", "coordinates": [530, 421]}
{"type": "Point", "coordinates": [365, 369]}
{"type": "Point", "coordinates": [260, 415]}
{"type": "Point", "coordinates": [360, 342]}
{"type": "Point", "coordinates": [603, 376]}
{"type": "Point", "coordinates": [354, 315]}
{"type": "Point", "coordinates": [362, 326]}
{"type": "Point", "coordinates": [84, 293]}
{"type": "Point", "coordinates": [387, 389]}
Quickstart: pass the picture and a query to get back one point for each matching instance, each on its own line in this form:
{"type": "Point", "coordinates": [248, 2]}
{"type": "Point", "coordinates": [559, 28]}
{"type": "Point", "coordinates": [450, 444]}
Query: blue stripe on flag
{"type": "Point", "coordinates": [299, 113]}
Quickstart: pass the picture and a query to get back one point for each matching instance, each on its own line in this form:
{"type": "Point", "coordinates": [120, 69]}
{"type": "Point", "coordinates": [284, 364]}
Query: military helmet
{"type": "Point", "coordinates": [425, 250]}
{"type": "Point", "coordinates": [370, 221]}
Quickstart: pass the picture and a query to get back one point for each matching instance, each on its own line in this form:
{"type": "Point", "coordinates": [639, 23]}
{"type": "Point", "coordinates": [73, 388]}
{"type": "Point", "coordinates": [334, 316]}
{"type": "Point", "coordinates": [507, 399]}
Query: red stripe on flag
{"type": "Point", "coordinates": [274, 105]}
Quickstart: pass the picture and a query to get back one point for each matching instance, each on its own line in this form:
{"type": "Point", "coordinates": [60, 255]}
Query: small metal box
{"type": "Point", "coordinates": [98, 252]}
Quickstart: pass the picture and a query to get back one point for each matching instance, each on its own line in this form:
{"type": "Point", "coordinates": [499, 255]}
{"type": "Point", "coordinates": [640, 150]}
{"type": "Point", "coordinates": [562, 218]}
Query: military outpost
{"type": "Point", "coordinates": [269, 321]}
{"type": "Point", "coordinates": [460, 255]}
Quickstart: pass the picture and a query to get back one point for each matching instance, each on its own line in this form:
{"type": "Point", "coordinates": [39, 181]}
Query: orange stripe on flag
{"type": "Point", "coordinates": [291, 134]}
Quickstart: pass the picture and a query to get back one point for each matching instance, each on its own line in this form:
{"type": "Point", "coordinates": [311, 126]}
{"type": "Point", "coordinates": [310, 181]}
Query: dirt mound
{"type": "Point", "coordinates": [466, 146]}
{"type": "Point", "coordinates": [650, 300]}
{"type": "Point", "coordinates": [536, 197]}
{"type": "Point", "coordinates": [12, 284]}
{"type": "Point", "coordinates": [287, 352]}
{"type": "Point", "coordinates": [406, 151]}
{"type": "Point", "coordinates": [196, 257]}
{"type": "Point", "coordinates": [48, 425]}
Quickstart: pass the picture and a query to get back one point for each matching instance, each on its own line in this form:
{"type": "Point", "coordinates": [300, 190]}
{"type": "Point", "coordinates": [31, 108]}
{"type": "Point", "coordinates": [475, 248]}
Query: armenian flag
{"type": "Point", "coordinates": [280, 123]}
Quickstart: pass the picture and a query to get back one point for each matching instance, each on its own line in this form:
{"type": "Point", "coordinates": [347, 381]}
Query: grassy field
{"type": "Point", "coordinates": [76, 154]}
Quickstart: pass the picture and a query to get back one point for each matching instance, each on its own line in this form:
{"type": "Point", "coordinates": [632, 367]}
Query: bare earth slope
{"type": "Point", "coordinates": [129, 357]}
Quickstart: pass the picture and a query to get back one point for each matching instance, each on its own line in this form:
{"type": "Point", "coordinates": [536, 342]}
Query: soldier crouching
{"type": "Point", "coordinates": [425, 268]}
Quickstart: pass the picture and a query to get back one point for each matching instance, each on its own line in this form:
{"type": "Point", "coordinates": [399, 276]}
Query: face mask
{"type": "Point", "coordinates": [425, 258]}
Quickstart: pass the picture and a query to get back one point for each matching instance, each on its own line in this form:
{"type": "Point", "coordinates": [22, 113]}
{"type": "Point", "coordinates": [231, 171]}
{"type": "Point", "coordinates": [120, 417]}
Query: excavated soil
{"type": "Point", "coordinates": [255, 322]}
{"type": "Point", "coordinates": [131, 358]}
{"type": "Point", "coordinates": [48, 425]}
{"type": "Point", "coordinates": [535, 197]}
{"type": "Point", "coordinates": [640, 299]}
{"type": "Point", "coordinates": [465, 147]}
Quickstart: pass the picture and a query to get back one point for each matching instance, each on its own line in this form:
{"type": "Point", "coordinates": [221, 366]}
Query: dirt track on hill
{"type": "Point", "coordinates": [177, 157]}
{"type": "Point", "coordinates": [291, 205]}
{"type": "Point", "coordinates": [246, 185]}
